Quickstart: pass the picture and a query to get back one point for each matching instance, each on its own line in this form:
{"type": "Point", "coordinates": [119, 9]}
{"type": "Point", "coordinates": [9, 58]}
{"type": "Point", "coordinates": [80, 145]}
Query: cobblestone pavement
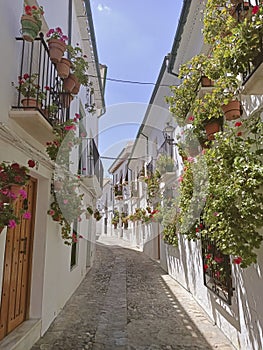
{"type": "Point", "coordinates": [127, 301]}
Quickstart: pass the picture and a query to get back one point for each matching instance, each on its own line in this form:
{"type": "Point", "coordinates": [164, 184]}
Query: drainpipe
{"type": "Point", "coordinates": [147, 144]}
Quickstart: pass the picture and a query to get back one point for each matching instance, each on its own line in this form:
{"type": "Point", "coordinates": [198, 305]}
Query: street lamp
{"type": "Point", "coordinates": [168, 133]}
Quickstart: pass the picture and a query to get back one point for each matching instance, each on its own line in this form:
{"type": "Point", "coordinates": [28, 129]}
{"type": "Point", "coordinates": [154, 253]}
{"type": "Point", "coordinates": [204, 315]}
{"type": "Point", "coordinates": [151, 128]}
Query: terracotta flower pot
{"type": "Point", "coordinates": [232, 110]}
{"type": "Point", "coordinates": [211, 128]}
{"type": "Point", "coordinates": [30, 28]}
{"type": "Point", "coordinates": [76, 88]}
{"type": "Point", "coordinates": [69, 83]}
{"type": "Point", "coordinates": [30, 102]}
{"type": "Point", "coordinates": [206, 82]}
{"type": "Point", "coordinates": [56, 49]}
{"type": "Point", "coordinates": [63, 67]}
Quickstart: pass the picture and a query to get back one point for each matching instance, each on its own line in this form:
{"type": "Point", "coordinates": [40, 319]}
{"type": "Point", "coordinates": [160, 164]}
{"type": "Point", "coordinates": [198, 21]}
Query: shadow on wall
{"type": "Point", "coordinates": [249, 291]}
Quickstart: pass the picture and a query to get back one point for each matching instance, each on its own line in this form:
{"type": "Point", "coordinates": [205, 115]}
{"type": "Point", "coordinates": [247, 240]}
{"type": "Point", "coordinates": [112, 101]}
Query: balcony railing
{"type": "Point", "coordinates": [34, 60]}
{"type": "Point", "coordinates": [91, 164]}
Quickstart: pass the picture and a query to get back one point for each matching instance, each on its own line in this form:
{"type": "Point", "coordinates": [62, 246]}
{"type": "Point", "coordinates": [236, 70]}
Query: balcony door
{"type": "Point", "coordinates": [17, 266]}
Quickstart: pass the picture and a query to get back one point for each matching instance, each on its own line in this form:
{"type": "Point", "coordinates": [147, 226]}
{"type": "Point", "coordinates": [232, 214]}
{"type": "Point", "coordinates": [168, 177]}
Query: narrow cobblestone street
{"type": "Point", "coordinates": [127, 301]}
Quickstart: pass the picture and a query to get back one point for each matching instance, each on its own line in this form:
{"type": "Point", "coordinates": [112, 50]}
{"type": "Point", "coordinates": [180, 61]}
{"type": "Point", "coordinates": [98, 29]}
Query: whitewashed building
{"type": "Point", "coordinates": [38, 272]}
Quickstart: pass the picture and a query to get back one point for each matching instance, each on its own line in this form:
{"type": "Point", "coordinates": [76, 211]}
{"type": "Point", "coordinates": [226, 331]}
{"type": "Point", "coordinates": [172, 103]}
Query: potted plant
{"type": "Point", "coordinates": [57, 44]}
{"type": "Point", "coordinates": [31, 22]}
{"type": "Point", "coordinates": [89, 212]}
{"type": "Point", "coordinates": [115, 219]}
{"type": "Point", "coordinates": [118, 191]}
{"type": "Point", "coordinates": [63, 67]}
{"type": "Point", "coordinates": [97, 215]}
{"type": "Point", "coordinates": [12, 179]}
{"type": "Point", "coordinates": [67, 205]}
{"type": "Point", "coordinates": [164, 164]}
{"type": "Point", "coordinates": [28, 86]}
{"type": "Point", "coordinates": [79, 66]}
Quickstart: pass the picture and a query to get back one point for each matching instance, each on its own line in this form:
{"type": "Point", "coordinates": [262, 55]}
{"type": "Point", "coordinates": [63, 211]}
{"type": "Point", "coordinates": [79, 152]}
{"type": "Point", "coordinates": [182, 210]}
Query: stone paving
{"type": "Point", "coordinates": [127, 301]}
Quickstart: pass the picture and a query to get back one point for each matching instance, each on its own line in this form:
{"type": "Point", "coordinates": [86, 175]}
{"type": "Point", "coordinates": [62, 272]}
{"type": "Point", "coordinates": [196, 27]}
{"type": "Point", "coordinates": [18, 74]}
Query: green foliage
{"type": "Point", "coordinates": [64, 141]}
{"type": "Point", "coordinates": [79, 64]}
{"type": "Point", "coordinates": [234, 209]}
{"type": "Point", "coordinates": [170, 213]}
{"type": "Point", "coordinates": [67, 206]}
{"type": "Point", "coordinates": [153, 187]}
{"type": "Point", "coordinates": [164, 164]}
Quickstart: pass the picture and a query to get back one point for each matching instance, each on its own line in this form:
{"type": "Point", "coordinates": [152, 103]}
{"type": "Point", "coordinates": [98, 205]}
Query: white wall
{"type": "Point", "coordinates": [242, 322]}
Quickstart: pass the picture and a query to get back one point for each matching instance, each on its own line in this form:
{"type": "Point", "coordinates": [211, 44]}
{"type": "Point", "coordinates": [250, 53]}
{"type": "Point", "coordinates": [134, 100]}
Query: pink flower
{"type": "Point", "coordinates": [12, 195]}
{"type": "Point", "coordinates": [238, 124]}
{"type": "Point", "coordinates": [11, 223]}
{"type": "Point", "coordinates": [191, 118]}
{"type": "Point", "coordinates": [65, 201]}
{"type": "Point", "coordinates": [51, 31]}
{"type": "Point", "coordinates": [70, 127]}
{"type": "Point", "coordinates": [206, 267]}
{"type": "Point", "coordinates": [23, 193]}
{"type": "Point", "coordinates": [51, 212]}
{"type": "Point", "coordinates": [208, 256]}
{"type": "Point", "coordinates": [77, 115]}
{"type": "Point", "coordinates": [190, 159]}
{"type": "Point", "coordinates": [216, 213]}
{"type": "Point", "coordinates": [217, 274]}
{"type": "Point", "coordinates": [27, 215]}
{"type": "Point", "coordinates": [58, 30]}
{"type": "Point", "coordinates": [180, 178]}
{"type": "Point", "coordinates": [255, 9]}
{"type": "Point", "coordinates": [83, 134]}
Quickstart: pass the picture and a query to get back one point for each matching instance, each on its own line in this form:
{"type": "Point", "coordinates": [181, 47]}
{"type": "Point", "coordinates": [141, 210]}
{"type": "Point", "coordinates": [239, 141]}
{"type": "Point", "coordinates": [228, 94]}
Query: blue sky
{"type": "Point", "coordinates": [132, 39]}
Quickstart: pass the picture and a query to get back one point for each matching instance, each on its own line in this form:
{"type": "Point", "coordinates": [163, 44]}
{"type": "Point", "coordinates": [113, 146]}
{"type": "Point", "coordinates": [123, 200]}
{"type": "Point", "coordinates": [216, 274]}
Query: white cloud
{"type": "Point", "coordinates": [102, 7]}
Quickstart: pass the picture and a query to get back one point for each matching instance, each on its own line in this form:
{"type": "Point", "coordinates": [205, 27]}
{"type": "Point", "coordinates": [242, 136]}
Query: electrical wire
{"type": "Point", "coordinates": [133, 82]}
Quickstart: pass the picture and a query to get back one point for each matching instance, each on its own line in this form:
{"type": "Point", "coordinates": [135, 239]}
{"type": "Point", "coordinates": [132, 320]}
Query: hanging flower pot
{"type": "Point", "coordinates": [30, 27]}
{"type": "Point", "coordinates": [57, 48]}
{"type": "Point", "coordinates": [65, 99]}
{"type": "Point", "coordinates": [76, 88]}
{"type": "Point", "coordinates": [63, 67]}
{"type": "Point", "coordinates": [212, 127]}
{"type": "Point", "coordinates": [69, 83]}
{"type": "Point", "coordinates": [232, 110]}
{"type": "Point", "coordinates": [206, 82]}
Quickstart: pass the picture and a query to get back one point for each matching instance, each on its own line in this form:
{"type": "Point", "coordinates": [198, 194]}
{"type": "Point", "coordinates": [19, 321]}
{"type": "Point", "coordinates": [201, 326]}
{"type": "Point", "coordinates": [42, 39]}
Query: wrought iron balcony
{"type": "Point", "coordinates": [46, 87]}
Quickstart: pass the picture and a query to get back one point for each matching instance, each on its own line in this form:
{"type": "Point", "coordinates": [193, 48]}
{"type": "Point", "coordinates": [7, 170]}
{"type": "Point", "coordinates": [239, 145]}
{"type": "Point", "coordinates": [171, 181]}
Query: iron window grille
{"type": "Point", "coordinates": [217, 270]}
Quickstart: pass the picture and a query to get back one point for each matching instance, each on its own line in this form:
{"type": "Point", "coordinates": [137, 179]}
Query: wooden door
{"type": "Point", "coordinates": [17, 266]}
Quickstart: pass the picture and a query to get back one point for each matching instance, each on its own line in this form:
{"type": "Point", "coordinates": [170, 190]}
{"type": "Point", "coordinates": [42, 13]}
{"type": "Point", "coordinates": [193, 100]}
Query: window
{"type": "Point", "coordinates": [74, 246]}
{"type": "Point", "coordinates": [217, 270]}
